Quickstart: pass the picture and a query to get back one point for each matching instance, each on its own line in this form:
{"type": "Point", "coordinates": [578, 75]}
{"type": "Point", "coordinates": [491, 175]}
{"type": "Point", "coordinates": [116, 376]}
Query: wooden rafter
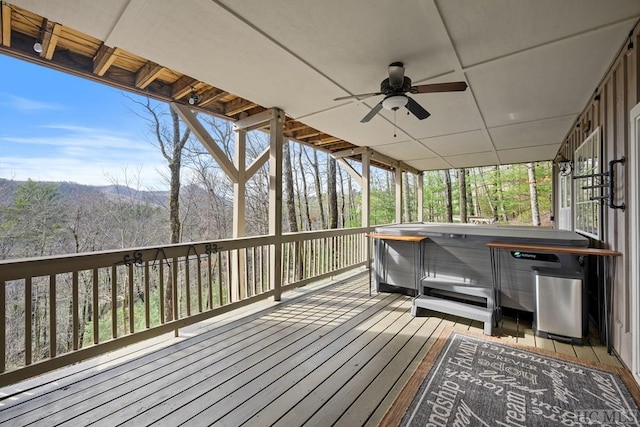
{"type": "Point", "coordinates": [182, 87]}
{"type": "Point", "coordinates": [125, 70]}
{"type": "Point", "coordinates": [212, 95]}
{"type": "Point", "coordinates": [103, 59]}
{"type": "Point", "coordinates": [5, 33]}
{"type": "Point", "coordinates": [237, 106]}
{"type": "Point", "coordinates": [147, 74]}
{"type": "Point", "coordinates": [307, 133]}
{"type": "Point", "coordinates": [50, 37]}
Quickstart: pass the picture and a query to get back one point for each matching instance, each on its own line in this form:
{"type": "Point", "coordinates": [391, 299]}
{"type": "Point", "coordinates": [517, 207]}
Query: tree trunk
{"type": "Point", "coordinates": [288, 189]}
{"type": "Point", "coordinates": [533, 193]}
{"type": "Point", "coordinates": [500, 195]}
{"type": "Point", "coordinates": [462, 181]}
{"type": "Point", "coordinates": [332, 193]}
{"type": "Point", "coordinates": [318, 185]}
{"type": "Point", "coordinates": [475, 195]}
{"type": "Point", "coordinates": [407, 199]}
{"type": "Point", "coordinates": [446, 179]}
{"type": "Point", "coordinates": [304, 191]}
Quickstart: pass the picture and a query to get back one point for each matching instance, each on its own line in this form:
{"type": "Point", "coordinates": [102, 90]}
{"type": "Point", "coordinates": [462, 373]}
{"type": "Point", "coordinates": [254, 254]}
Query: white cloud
{"type": "Point", "coordinates": [77, 136]}
{"type": "Point", "coordinates": [81, 171]}
{"type": "Point", "coordinates": [84, 155]}
{"type": "Point", "coordinates": [28, 105]}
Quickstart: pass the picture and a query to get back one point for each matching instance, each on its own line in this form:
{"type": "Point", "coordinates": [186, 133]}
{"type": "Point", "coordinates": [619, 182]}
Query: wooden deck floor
{"type": "Point", "coordinates": [329, 355]}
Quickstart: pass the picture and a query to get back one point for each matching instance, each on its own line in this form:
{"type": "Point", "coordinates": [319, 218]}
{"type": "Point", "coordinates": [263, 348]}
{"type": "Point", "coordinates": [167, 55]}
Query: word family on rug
{"type": "Point", "coordinates": [473, 380]}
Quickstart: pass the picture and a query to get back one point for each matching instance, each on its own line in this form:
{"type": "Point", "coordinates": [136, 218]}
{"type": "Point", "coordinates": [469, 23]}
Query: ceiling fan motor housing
{"type": "Point", "coordinates": [386, 88]}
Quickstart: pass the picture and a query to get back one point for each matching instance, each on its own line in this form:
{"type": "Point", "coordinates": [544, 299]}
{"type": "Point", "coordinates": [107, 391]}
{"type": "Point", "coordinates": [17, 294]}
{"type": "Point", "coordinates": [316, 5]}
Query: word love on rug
{"type": "Point", "coordinates": [467, 380]}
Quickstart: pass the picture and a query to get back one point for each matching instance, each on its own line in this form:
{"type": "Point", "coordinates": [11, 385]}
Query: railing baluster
{"type": "Point", "coordinates": [210, 281]}
{"type": "Point", "coordinates": [199, 277]}
{"type": "Point", "coordinates": [75, 312]}
{"type": "Point", "coordinates": [3, 326]}
{"type": "Point", "coordinates": [132, 322]}
{"type": "Point", "coordinates": [254, 270]}
{"type": "Point", "coordinates": [28, 313]}
{"type": "Point", "coordinates": [114, 301]}
{"type": "Point", "coordinates": [229, 279]}
{"type": "Point", "coordinates": [187, 285]}
{"type": "Point", "coordinates": [174, 272]}
{"type": "Point", "coordinates": [147, 298]}
{"type": "Point", "coordinates": [303, 257]}
{"type": "Point", "coordinates": [94, 303]}
{"type": "Point", "coordinates": [161, 296]}
{"type": "Point", "coordinates": [219, 274]}
{"type": "Point", "coordinates": [53, 330]}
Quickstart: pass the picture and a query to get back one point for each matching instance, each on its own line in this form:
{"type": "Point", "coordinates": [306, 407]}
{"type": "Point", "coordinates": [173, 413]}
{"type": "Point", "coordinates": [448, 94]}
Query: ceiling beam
{"type": "Point", "coordinates": [50, 38]}
{"type": "Point", "coordinates": [259, 119]}
{"type": "Point", "coordinates": [392, 162]}
{"type": "Point", "coordinates": [5, 23]}
{"type": "Point", "coordinates": [147, 74]}
{"type": "Point", "coordinates": [349, 152]}
{"type": "Point", "coordinates": [182, 87]}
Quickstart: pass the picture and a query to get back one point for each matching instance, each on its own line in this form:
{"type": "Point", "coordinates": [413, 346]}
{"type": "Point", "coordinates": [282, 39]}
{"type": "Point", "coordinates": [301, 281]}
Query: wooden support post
{"type": "Point", "coordinates": [398, 195]}
{"type": "Point", "coordinates": [275, 203]}
{"type": "Point", "coordinates": [365, 186]}
{"type": "Point", "coordinates": [420, 199]}
{"type": "Point", "coordinates": [238, 257]}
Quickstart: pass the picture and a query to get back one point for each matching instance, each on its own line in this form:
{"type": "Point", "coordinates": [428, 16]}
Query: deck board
{"type": "Point", "coordinates": [329, 355]}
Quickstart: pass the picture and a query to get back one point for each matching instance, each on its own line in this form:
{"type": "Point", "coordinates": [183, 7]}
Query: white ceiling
{"type": "Point", "coordinates": [531, 65]}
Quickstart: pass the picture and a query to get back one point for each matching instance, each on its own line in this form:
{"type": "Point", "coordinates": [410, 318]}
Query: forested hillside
{"type": "Point", "coordinates": [44, 218]}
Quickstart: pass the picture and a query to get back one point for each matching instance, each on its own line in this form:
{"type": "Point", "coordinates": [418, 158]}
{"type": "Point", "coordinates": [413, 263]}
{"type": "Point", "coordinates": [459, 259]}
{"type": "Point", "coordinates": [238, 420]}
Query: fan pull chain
{"type": "Point", "coordinates": [395, 112]}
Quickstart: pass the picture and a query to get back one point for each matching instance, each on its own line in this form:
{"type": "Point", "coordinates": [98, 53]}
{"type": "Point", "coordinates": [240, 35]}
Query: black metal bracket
{"type": "Point", "coordinates": [611, 183]}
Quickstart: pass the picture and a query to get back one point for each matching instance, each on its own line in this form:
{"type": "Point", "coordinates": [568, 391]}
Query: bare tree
{"type": "Point", "coordinates": [446, 179]}
{"type": "Point", "coordinates": [332, 193]}
{"type": "Point", "coordinates": [462, 180]}
{"type": "Point", "coordinates": [170, 138]}
{"type": "Point", "coordinates": [533, 194]}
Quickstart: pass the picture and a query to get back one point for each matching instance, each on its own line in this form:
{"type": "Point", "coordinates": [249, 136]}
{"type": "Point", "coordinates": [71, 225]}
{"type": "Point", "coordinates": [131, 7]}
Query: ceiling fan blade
{"type": "Point", "coordinates": [396, 75]}
{"type": "Point", "coordinates": [372, 113]}
{"type": "Point", "coordinates": [440, 87]}
{"type": "Point", "coordinates": [417, 109]}
{"type": "Point", "coordinates": [359, 96]}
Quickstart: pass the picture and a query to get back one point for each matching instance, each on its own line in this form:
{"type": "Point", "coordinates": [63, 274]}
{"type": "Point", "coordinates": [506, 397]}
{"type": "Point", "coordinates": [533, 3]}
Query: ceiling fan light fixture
{"type": "Point", "coordinates": [394, 102]}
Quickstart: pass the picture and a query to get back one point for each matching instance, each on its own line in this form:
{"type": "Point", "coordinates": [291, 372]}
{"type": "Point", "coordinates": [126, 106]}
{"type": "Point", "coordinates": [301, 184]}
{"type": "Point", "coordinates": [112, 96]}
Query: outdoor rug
{"type": "Point", "coordinates": [469, 379]}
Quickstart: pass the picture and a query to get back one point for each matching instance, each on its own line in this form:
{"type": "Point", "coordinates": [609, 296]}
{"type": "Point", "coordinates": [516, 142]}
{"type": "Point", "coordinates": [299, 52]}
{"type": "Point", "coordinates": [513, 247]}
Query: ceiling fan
{"type": "Point", "coordinates": [395, 89]}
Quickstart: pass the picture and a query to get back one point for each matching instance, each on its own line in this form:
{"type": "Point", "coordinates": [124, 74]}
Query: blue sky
{"type": "Point", "coordinates": [59, 127]}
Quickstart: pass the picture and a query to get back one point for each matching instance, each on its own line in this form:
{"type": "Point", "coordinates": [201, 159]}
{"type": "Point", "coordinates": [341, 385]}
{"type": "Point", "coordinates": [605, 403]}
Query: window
{"type": "Point", "coordinates": [564, 202]}
{"type": "Point", "coordinates": [588, 179]}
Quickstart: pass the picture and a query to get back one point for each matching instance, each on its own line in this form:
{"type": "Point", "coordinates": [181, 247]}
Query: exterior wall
{"type": "Point", "coordinates": [609, 108]}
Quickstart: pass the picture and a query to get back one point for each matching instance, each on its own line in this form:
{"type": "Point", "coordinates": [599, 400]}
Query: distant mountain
{"type": "Point", "coordinates": [8, 189]}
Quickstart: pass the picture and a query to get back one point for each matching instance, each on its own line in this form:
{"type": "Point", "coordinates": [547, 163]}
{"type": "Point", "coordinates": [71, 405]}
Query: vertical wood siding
{"type": "Point", "coordinates": [609, 107]}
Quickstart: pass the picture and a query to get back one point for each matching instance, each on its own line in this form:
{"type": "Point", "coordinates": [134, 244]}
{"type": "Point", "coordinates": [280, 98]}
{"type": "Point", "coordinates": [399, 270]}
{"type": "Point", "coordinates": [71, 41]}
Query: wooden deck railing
{"type": "Point", "coordinates": [56, 311]}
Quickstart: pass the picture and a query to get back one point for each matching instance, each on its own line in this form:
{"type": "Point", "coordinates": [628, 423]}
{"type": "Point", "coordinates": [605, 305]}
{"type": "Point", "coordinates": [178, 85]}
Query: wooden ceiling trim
{"type": "Point", "coordinates": [147, 74]}
{"type": "Point", "coordinates": [104, 59]}
{"type": "Point", "coordinates": [50, 38]}
{"type": "Point", "coordinates": [5, 22]}
{"type": "Point", "coordinates": [84, 56]}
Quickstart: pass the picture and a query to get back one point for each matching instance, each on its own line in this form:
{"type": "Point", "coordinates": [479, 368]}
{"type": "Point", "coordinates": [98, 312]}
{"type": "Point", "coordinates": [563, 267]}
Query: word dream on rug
{"type": "Point", "coordinates": [482, 383]}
